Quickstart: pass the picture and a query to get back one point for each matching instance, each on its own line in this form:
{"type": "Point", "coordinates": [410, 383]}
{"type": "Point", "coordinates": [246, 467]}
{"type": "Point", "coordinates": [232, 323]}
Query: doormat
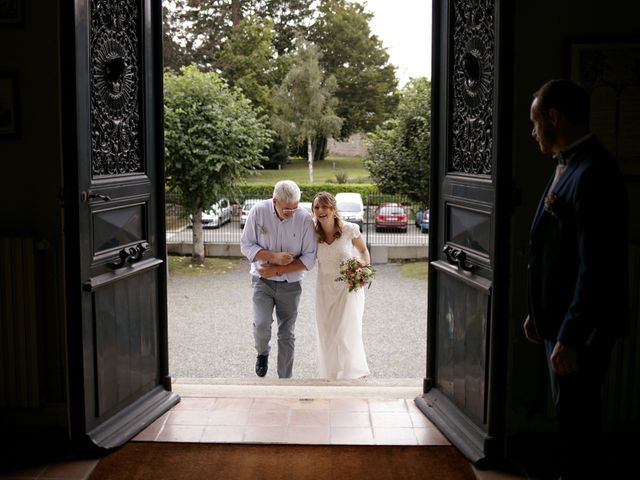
{"type": "Point", "coordinates": [176, 461]}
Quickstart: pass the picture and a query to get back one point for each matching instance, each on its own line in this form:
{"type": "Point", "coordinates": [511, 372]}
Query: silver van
{"type": "Point", "coordinates": [351, 207]}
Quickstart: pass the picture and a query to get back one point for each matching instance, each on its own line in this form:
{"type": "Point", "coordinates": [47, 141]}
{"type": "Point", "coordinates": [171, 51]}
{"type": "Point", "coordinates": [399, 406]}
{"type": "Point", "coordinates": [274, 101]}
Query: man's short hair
{"type": "Point", "coordinates": [566, 97]}
{"type": "Point", "coordinates": [286, 191]}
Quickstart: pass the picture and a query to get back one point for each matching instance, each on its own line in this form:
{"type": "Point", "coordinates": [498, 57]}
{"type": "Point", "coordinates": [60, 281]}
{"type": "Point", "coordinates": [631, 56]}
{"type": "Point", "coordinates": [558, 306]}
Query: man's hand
{"type": "Point", "coordinates": [267, 270]}
{"type": "Point", "coordinates": [530, 331]}
{"type": "Point", "coordinates": [563, 359]}
{"type": "Point", "coordinates": [281, 258]}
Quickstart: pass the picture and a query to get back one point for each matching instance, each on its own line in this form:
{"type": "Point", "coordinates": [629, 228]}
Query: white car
{"type": "Point", "coordinates": [217, 215]}
{"type": "Point", "coordinates": [246, 206]}
{"type": "Point", "coordinates": [306, 206]}
{"type": "Point", "coordinates": [351, 207]}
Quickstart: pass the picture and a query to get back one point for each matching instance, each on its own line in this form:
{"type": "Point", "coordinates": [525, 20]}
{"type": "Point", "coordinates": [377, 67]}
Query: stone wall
{"type": "Point", "coordinates": [352, 147]}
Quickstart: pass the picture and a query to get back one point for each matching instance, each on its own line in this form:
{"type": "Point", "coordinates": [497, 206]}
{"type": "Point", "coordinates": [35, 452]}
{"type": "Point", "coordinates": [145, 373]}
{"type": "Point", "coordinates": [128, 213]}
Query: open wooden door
{"type": "Point", "coordinates": [466, 330]}
{"type": "Point", "coordinates": [114, 218]}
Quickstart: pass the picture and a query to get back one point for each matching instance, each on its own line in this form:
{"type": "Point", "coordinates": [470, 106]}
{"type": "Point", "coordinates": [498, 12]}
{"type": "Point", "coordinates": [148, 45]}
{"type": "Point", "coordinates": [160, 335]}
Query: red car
{"type": "Point", "coordinates": [392, 217]}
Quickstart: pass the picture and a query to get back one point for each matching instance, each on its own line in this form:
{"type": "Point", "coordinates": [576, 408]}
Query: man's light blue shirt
{"type": "Point", "coordinates": [265, 231]}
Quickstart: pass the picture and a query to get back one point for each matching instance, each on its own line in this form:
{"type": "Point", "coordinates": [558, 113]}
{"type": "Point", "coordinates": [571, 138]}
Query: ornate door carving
{"type": "Point", "coordinates": [464, 260]}
{"type": "Point", "coordinates": [119, 367]}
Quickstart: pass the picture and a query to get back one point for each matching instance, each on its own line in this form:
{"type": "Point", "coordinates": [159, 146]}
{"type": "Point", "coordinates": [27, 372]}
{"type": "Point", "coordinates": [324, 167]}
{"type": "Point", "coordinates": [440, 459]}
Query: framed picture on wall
{"type": "Point", "coordinates": [9, 113]}
{"type": "Point", "coordinates": [611, 74]}
{"type": "Point", "coordinates": [11, 12]}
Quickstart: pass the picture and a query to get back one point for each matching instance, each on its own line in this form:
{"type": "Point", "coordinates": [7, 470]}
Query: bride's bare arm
{"type": "Point", "coordinates": [361, 246]}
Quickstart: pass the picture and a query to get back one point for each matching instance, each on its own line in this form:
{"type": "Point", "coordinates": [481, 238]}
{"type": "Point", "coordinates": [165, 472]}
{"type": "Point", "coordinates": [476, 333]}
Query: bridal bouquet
{"type": "Point", "coordinates": [355, 274]}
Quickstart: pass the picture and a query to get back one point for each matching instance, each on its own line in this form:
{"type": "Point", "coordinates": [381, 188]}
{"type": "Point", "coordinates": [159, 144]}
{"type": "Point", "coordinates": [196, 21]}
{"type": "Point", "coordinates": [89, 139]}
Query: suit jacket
{"type": "Point", "coordinates": [578, 268]}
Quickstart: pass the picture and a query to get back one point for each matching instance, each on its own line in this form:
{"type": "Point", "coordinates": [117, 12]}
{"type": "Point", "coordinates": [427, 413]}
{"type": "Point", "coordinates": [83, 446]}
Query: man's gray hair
{"type": "Point", "coordinates": [286, 191]}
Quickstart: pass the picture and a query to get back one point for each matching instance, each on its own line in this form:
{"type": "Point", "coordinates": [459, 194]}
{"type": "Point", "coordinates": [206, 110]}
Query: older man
{"type": "Point", "coordinates": [279, 240]}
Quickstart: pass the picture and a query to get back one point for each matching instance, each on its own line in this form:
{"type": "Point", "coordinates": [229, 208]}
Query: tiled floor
{"type": "Point", "coordinates": [333, 421]}
{"type": "Point", "coordinates": [292, 420]}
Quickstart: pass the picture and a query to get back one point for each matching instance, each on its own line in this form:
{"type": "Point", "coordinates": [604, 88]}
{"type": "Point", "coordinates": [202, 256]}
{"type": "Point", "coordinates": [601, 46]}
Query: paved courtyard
{"type": "Point", "coordinates": [210, 334]}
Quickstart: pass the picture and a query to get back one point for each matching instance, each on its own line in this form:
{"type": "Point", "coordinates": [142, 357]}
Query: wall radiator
{"type": "Point", "coordinates": [622, 390]}
{"type": "Point", "coordinates": [19, 372]}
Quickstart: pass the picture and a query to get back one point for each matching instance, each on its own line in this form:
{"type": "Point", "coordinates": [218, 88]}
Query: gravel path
{"type": "Point", "coordinates": [210, 326]}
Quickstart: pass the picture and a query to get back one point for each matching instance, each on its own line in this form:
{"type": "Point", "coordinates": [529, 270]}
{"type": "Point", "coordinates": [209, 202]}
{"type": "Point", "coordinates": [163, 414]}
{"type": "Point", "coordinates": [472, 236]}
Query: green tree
{"type": "Point", "coordinates": [400, 149]}
{"type": "Point", "coordinates": [213, 139]}
{"type": "Point", "coordinates": [366, 80]}
{"type": "Point", "coordinates": [198, 29]}
{"type": "Point", "coordinates": [304, 102]}
{"type": "Point", "coordinates": [246, 61]}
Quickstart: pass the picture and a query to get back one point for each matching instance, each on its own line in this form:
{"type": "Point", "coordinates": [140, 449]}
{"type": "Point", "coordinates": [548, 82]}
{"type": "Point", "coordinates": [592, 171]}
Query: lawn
{"type": "Point", "coordinates": [181, 265]}
{"type": "Point", "coordinates": [417, 270]}
{"type": "Point", "coordinates": [324, 171]}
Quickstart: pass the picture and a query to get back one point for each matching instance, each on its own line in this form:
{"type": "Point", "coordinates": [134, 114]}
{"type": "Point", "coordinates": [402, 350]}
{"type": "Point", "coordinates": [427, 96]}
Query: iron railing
{"type": "Point", "coordinates": [179, 227]}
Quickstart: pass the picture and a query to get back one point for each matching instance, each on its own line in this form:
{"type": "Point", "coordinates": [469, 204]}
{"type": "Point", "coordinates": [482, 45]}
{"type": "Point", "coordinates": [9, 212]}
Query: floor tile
{"type": "Point", "coordinates": [222, 417]}
{"type": "Point", "coordinates": [150, 433]}
{"type": "Point", "coordinates": [308, 435]}
{"type": "Point", "coordinates": [309, 418]}
{"type": "Point", "coordinates": [430, 436]}
{"type": "Point", "coordinates": [273, 403]}
{"type": "Point", "coordinates": [349, 419]}
{"type": "Point", "coordinates": [265, 434]}
{"type": "Point", "coordinates": [386, 405]}
{"type": "Point", "coordinates": [268, 418]}
{"type": "Point", "coordinates": [394, 436]}
{"type": "Point", "coordinates": [351, 436]}
{"type": "Point", "coordinates": [311, 404]}
{"type": "Point", "coordinates": [72, 470]}
{"type": "Point", "coordinates": [187, 417]}
{"type": "Point", "coordinates": [391, 419]}
{"type": "Point", "coordinates": [194, 403]}
{"type": "Point", "coordinates": [419, 420]}
{"type": "Point", "coordinates": [222, 434]}
{"type": "Point", "coordinates": [233, 404]}
{"type": "Point", "coordinates": [180, 433]}
{"type": "Point", "coordinates": [349, 405]}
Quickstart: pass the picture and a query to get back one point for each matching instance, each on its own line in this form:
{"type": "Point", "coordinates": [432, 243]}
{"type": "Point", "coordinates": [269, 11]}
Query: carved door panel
{"type": "Point", "coordinates": [118, 361]}
{"type": "Point", "coordinates": [461, 395]}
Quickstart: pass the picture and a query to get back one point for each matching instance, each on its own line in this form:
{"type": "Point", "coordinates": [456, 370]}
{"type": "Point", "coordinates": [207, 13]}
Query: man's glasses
{"type": "Point", "coordinates": [287, 210]}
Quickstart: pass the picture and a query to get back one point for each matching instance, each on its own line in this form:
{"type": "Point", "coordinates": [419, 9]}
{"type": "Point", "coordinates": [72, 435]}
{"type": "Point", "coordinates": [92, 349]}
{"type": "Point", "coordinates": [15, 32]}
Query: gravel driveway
{"type": "Point", "coordinates": [210, 332]}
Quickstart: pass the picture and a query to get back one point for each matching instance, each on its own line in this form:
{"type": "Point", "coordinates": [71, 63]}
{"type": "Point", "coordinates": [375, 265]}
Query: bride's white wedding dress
{"type": "Point", "coordinates": [339, 312]}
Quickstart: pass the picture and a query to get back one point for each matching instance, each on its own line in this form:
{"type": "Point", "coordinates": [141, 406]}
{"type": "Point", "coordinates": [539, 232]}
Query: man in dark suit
{"type": "Point", "coordinates": [578, 270]}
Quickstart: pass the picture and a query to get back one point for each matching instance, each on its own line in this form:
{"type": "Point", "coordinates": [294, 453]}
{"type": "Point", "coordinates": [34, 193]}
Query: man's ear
{"type": "Point", "coordinates": [554, 116]}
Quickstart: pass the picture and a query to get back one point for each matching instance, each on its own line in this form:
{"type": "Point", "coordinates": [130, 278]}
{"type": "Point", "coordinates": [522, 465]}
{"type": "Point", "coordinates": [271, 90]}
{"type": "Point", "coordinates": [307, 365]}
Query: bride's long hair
{"type": "Point", "coordinates": [325, 199]}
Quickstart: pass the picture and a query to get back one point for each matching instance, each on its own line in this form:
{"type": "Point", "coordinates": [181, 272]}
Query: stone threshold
{"type": "Point", "coordinates": [405, 388]}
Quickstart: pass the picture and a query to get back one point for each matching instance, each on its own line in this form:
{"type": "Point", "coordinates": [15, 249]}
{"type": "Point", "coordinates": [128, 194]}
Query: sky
{"type": "Point", "coordinates": [404, 26]}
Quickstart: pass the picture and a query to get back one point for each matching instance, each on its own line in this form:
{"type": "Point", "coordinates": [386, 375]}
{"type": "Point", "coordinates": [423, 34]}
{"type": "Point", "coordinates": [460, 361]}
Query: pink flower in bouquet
{"type": "Point", "coordinates": [355, 274]}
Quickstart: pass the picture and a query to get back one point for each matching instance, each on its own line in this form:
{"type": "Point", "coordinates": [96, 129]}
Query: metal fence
{"type": "Point", "coordinates": [375, 232]}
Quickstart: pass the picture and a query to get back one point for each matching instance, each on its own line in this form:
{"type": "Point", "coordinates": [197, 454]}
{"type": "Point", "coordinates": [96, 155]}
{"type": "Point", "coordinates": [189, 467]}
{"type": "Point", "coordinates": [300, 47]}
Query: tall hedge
{"type": "Point", "coordinates": [265, 190]}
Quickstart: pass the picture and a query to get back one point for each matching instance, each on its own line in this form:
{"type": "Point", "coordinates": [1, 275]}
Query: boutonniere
{"type": "Point", "coordinates": [551, 204]}
{"type": "Point", "coordinates": [263, 230]}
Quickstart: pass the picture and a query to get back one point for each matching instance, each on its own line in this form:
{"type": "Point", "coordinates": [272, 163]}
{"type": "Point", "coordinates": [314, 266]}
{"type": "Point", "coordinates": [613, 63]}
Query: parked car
{"type": "Point", "coordinates": [390, 204]}
{"type": "Point", "coordinates": [391, 217]}
{"type": "Point", "coordinates": [306, 206]}
{"type": "Point", "coordinates": [424, 222]}
{"type": "Point", "coordinates": [351, 207]}
{"type": "Point", "coordinates": [246, 206]}
{"type": "Point", "coordinates": [216, 215]}
{"type": "Point", "coordinates": [419, 215]}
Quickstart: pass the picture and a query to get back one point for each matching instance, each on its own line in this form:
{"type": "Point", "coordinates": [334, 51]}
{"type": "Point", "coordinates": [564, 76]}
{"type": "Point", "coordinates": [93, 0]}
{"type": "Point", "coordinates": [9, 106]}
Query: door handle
{"type": "Point", "coordinates": [458, 257]}
{"type": "Point", "coordinates": [130, 255]}
{"type": "Point", "coordinates": [89, 195]}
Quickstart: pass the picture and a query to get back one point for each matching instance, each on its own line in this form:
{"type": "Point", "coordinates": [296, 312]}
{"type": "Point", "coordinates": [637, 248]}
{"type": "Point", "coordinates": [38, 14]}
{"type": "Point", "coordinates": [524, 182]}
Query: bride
{"type": "Point", "coordinates": [338, 311]}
